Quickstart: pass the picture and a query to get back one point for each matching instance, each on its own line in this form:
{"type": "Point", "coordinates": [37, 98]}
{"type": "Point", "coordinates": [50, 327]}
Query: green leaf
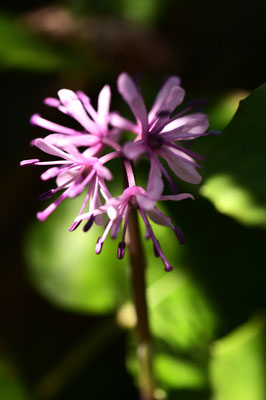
{"type": "Point", "coordinates": [175, 373]}
{"type": "Point", "coordinates": [64, 267]}
{"type": "Point", "coordinates": [23, 50]}
{"type": "Point", "coordinates": [11, 386]}
{"type": "Point", "coordinates": [236, 163]}
{"type": "Point", "coordinates": [238, 363]}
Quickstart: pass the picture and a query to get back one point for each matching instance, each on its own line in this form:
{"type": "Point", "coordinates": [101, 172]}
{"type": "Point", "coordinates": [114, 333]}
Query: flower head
{"type": "Point", "coordinates": [94, 132]}
{"type": "Point", "coordinates": [74, 172]}
{"type": "Point", "coordinates": [157, 133]}
{"type": "Point", "coordinates": [79, 167]}
{"type": "Point", "coordinates": [118, 210]}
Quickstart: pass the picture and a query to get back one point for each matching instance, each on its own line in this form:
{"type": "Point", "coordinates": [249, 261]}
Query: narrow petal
{"type": "Point", "coordinates": [36, 119]}
{"type": "Point", "coordinates": [144, 202]}
{"type": "Point", "coordinates": [51, 102]}
{"type": "Point", "coordinates": [104, 100]}
{"type": "Point", "coordinates": [158, 219]}
{"type": "Point", "coordinates": [133, 150]}
{"type": "Point", "coordinates": [162, 95]}
{"type": "Point", "coordinates": [155, 183]}
{"type": "Point", "coordinates": [186, 172]}
{"type": "Point", "coordinates": [60, 140]}
{"type": "Point", "coordinates": [185, 127]}
{"type": "Point", "coordinates": [122, 123]}
{"type": "Point", "coordinates": [50, 149]}
{"type": "Point", "coordinates": [130, 94]}
{"type": "Point", "coordinates": [177, 197]}
{"type": "Point", "coordinates": [70, 100]}
{"type": "Point", "coordinates": [66, 176]}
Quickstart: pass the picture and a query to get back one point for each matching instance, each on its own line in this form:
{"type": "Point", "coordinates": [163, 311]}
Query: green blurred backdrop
{"type": "Point", "coordinates": [66, 320]}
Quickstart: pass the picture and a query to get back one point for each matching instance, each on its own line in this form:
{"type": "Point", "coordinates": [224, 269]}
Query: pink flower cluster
{"type": "Point", "coordinates": [157, 134]}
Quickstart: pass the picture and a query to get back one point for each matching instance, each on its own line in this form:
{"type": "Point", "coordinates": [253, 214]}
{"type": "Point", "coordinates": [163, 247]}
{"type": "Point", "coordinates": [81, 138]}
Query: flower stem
{"type": "Point", "coordinates": [137, 272]}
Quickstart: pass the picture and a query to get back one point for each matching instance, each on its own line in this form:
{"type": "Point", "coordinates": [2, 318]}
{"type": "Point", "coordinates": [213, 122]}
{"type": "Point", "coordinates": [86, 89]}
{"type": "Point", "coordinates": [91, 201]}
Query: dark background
{"type": "Point", "coordinates": [215, 47]}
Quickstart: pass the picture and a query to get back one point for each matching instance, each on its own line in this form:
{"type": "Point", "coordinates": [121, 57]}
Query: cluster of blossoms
{"type": "Point", "coordinates": [157, 134]}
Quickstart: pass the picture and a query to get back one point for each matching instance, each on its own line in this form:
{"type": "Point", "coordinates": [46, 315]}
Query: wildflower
{"type": "Point", "coordinates": [134, 196]}
{"type": "Point", "coordinates": [157, 133]}
{"type": "Point", "coordinates": [74, 172]}
{"type": "Point", "coordinates": [94, 134]}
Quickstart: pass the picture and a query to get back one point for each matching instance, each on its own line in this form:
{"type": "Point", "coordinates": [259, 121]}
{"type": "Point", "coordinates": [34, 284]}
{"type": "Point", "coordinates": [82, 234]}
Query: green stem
{"type": "Point", "coordinates": [137, 271]}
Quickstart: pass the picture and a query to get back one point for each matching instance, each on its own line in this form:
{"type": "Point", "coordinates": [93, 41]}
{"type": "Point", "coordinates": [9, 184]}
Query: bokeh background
{"type": "Point", "coordinates": [66, 321]}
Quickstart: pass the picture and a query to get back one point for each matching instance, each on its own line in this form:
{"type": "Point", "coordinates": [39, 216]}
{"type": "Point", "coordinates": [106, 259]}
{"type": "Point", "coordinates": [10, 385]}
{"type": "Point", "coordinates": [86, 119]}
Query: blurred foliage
{"type": "Point", "coordinates": [238, 363]}
{"type": "Point", "coordinates": [184, 318]}
{"type": "Point", "coordinates": [21, 49]}
{"type": "Point", "coordinates": [11, 385]}
{"type": "Point", "coordinates": [235, 172]}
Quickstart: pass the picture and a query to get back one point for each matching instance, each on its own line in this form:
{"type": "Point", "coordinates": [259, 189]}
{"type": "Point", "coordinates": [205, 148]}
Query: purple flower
{"type": "Point", "coordinates": [94, 133]}
{"type": "Point", "coordinates": [74, 172]}
{"type": "Point", "coordinates": [118, 209]}
{"type": "Point", "coordinates": [157, 133]}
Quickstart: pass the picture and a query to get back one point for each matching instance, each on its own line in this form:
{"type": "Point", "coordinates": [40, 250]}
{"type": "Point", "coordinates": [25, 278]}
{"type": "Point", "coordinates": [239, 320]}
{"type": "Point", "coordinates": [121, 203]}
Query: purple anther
{"type": "Point", "coordinates": [74, 226]}
{"type": "Point", "coordinates": [46, 195]}
{"type": "Point", "coordinates": [88, 224]}
{"type": "Point", "coordinates": [121, 250]}
{"type": "Point", "coordinates": [179, 235]}
{"type": "Point", "coordinates": [155, 251]}
{"type": "Point", "coordinates": [168, 268]}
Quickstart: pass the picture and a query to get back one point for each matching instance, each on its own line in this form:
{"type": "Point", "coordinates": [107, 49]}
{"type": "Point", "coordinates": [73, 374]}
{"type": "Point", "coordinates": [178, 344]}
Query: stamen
{"type": "Point", "coordinates": [47, 195]}
{"type": "Point", "coordinates": [99, 245]}
{"type": "Point", "coordinates": [179, 235]}
{"type": "Point", "coordinates": [29, 162]}
{"type": "Point", "coordinates": [88, 224]}
{"type": "Point", "coordinates": [156, 244]}
{"type": "Point", "coordinates": [74, 226]}
{"type": "Point", "coordinates": [121, 250]}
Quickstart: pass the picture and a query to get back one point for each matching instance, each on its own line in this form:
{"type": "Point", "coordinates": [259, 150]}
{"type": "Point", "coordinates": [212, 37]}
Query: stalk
{"type": "Point", "coordinates": [137, 274]}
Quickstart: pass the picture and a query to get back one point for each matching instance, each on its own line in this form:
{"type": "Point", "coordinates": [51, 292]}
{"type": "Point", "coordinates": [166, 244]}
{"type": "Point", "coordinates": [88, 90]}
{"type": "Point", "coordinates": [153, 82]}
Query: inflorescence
{"type": "Point", "coordinates": [157, 134]}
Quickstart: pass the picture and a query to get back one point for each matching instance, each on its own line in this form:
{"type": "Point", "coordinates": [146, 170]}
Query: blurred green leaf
{"type": "Point", "coordinates": [64, 267]}
{"type": "Point", "coordinates": [236, 163]}
{"type": "Point", "coordinates": [11, 386]}
{"type": "Point", "coordinates": [238, 363]}
{"type": "Point", "coordinates": [23, 50]}
{"type": "Point", "coordinates": [180, 312]}
{"type": "Point", "coordinates": [174, 373]}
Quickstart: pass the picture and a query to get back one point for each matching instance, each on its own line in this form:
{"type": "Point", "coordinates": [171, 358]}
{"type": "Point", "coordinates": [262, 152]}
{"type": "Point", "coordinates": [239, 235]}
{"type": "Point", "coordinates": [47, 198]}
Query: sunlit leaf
{"type": "Point", "coordinates": [238, 364]}
{"type": "Point", "coordinates": [235, 165]}
{"type": "Point", "coordinates": [174, 372]}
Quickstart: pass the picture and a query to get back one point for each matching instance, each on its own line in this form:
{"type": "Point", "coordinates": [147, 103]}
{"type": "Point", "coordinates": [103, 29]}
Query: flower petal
{"type": "Point", "coordinates": [36, 119]}
{"type": "Point", "coordinates": [144, 202]}
{"type": "Point", "coordinates": [60, 140]}
{"type": "Point", "coordinates": [122, 123]}
{"type": "Point", "coordinates": [159, 103]}
{"type": "Point", "coordinates": [194, 124]}
{"type": "Point", "coordinates": [159, 219]}
{"type": "Point", "coordinates": [130, 94]}
{"type": "Point", "coordinates": [50, 149]}
{"type": "Point", "coordinates": [177, 197]}
{"type": "Point", "coordinates": [133, 150]}
{"type": "Point", "coordinates": [155, 183]}
{"type": "Point", "coordinates": [104, 100]}
{"type": "Point", "coordinates": [70, 100]}
{"type": "Point", "coordinates": [186, 172]}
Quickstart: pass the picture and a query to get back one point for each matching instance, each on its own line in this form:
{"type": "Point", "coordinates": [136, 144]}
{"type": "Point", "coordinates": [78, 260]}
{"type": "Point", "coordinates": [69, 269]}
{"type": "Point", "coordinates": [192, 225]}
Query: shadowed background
{"type": "Point", "coordinates": [65, 313]}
